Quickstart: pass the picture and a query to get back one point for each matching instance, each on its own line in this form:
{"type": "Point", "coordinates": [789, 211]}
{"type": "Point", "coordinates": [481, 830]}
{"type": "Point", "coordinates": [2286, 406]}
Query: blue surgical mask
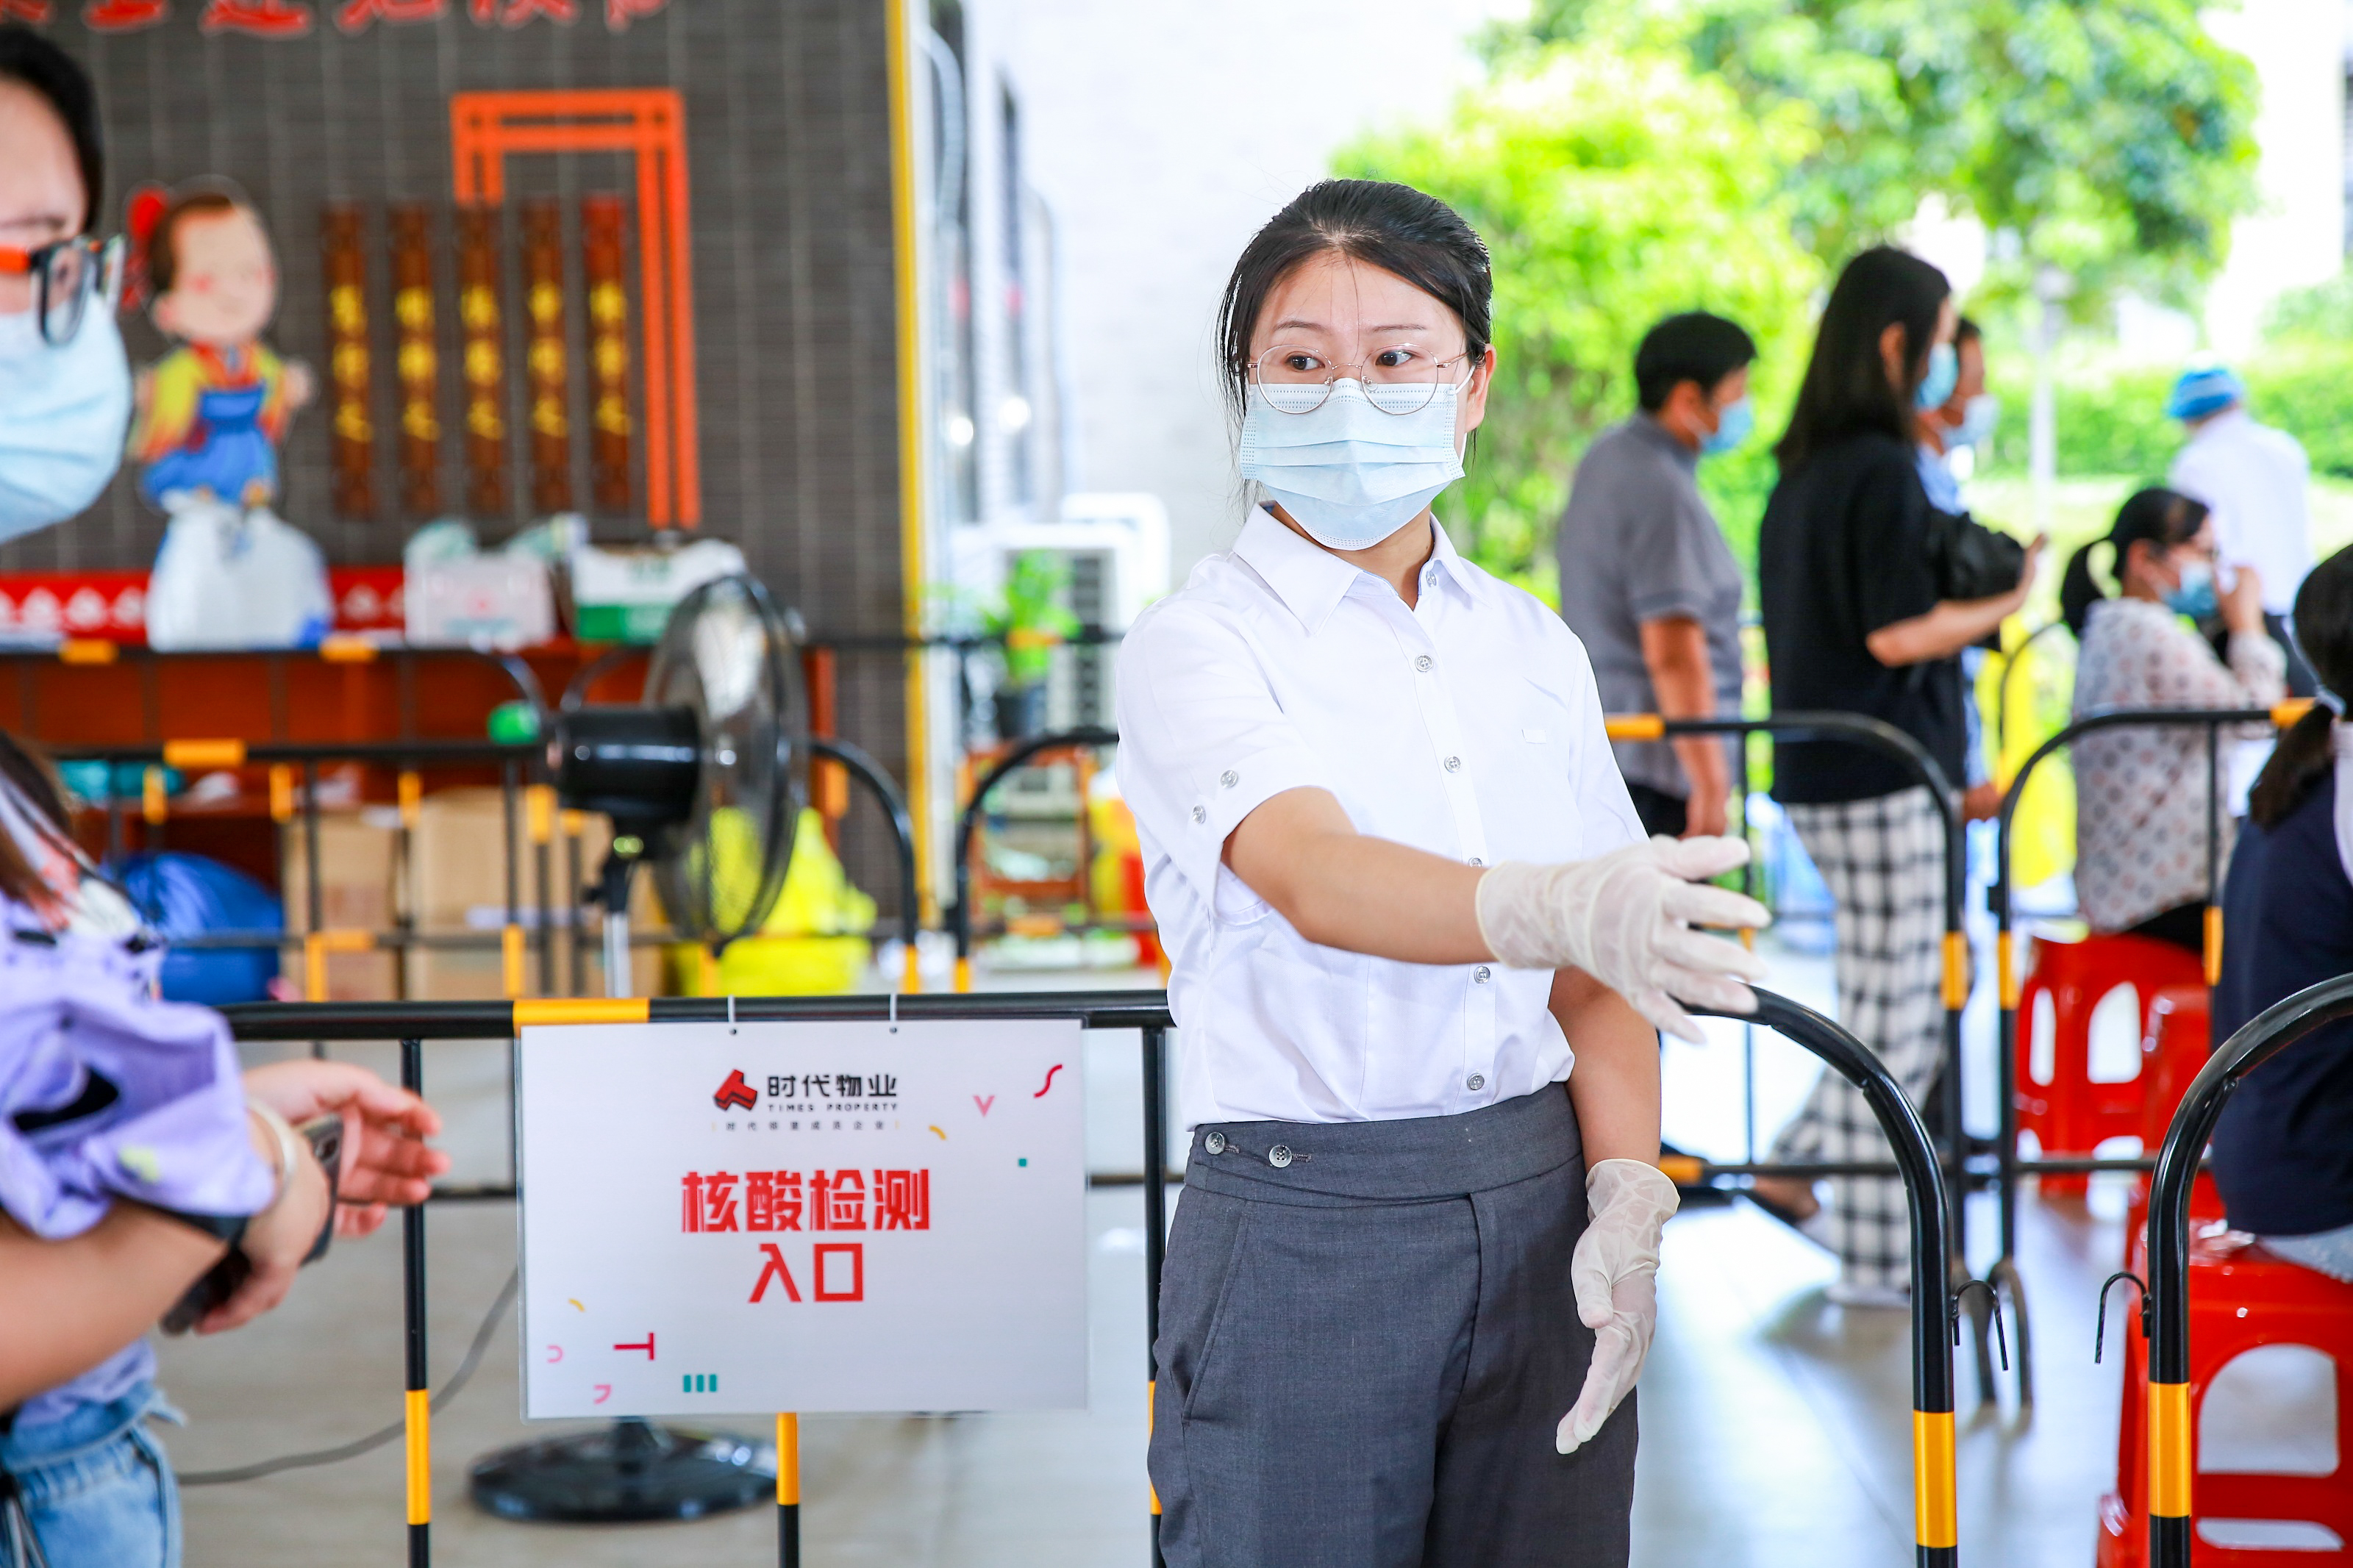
{"type": "Point", "coordinates": [1348, 473]}
{"type": "Point", "coordinates": [1733, 426]}
{"type": "Point", "coordinates": [63, 415]}
{"type": "Point", "coordinates": [1978, 417]}
{"type": "Point", "coordinates": [2194, 594]}
{"type": "Point", "coordinates": [1943, 374]}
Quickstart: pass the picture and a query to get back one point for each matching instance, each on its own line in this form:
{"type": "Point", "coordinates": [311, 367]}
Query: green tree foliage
{"type": "Point", "coordinates": [1614, 187]}
{"type": "Point", "coordinates": [2111, 139]}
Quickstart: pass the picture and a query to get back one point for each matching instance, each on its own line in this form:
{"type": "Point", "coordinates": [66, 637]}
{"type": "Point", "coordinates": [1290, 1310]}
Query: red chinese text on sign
{"type": "Point", "coordinates": [772, 1200]}
{"type": "Point", "coordinates": [123, 16]}
{"type": "Point", "coordinates": [774, 1269]}
{"type": "Point", "coordinates": [358, 15]}
{"type": "Point", "coordinates": [266, 18]}
{"type": "Point", "coordinates": [902, 1200]}
{"type": "Point", "coordinates": [837, 1202]}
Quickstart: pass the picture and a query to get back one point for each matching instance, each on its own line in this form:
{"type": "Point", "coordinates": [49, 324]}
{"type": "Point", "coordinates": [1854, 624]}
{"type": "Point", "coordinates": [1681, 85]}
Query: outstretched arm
{"type": "Point", "coordinates": [1615, 1084]}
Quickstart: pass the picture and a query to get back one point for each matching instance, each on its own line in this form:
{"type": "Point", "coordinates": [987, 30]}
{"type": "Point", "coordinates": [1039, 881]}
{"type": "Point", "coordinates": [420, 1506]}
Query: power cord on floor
{"type": "Point", "coordinates": [373, 1440]}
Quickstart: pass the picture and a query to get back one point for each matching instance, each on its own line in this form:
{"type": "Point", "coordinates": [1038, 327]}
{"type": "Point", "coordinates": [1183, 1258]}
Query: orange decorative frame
{"type": "Point", "coordinates": [486, 128]}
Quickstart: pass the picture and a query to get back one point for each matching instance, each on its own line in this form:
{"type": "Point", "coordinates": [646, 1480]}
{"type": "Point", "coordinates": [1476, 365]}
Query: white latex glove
{"type": "Point", "coordinates": [1624, 917]}
{"type": "Point", "coordinates": [1616, 1272]}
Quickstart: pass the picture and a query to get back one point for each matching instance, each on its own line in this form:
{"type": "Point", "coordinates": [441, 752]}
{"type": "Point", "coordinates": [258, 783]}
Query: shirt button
{"type": "Point", "coordinates": [1423, 664]}
{"type": "Point", "coordinates": [1215, 1143]}
{"type": "Point", "coordinates": [1476, 861]}
{"type": "Point", "coordinates": [1475, 1082]}
{"type": "Point", "coordinates": [1483, 975]}
{"type": "Point", "coordinates": [1229, 778]}
{"type": "Point", "coordinates": [1453, 764]}
{"type": "Point", "coordinates": [1279, 1156]}
{"type": "Point", "coordinates": [1200, 815]}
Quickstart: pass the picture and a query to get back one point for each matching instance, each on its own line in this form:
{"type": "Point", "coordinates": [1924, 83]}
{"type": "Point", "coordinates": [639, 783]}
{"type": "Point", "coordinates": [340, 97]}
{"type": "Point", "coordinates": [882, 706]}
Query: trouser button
{"type": "Point", "coordinates": [1215, 1142]}
{"type": "Point", "coordinates": [1279, 1156]}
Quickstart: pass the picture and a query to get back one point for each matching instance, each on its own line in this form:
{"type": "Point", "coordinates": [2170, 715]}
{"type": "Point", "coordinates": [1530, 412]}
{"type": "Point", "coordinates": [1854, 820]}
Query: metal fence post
{"type": "Point", "coordinates": [1155, 1231]}
{"type": "Point", "coordinates": [419, 1408]}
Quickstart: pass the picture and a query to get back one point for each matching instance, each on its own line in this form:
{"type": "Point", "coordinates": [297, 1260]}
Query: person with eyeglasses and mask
{"type": "Point", "coordinates": [1647, 582]}
{"type": "Point", "coordinates": [143, 1176]}
{"type": "Point", "coordinates": [1420, 946]}
{"type": "Point", "coordinates": [65, 385]}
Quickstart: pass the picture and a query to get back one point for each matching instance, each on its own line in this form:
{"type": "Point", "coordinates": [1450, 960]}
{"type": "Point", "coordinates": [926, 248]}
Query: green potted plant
{"type": "Point", "coordinates": [1028, 620]}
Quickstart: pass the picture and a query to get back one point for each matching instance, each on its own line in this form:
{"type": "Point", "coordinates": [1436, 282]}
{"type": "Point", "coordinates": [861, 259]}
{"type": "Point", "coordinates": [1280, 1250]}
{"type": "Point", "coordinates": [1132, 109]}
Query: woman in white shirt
{"type": "Point", "coordinates": [2142, 816]}
{"type": "Point", "coordinates": [1403, 891]}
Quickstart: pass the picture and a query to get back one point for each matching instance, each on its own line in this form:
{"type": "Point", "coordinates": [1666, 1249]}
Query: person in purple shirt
{"type": "Point", "coordinates": [134, 1156]}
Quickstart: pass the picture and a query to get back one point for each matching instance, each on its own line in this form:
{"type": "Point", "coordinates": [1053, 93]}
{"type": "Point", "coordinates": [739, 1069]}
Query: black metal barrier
{"type": "Point", "coordinates": [1934, 1310]}
{"type": "Point", "coordinates": [2165, 1307]}
{"type": "Point", "coordinates": [1885, 738]}
{"type": "Point", "coordinates": [2010, 984]}
{"type": "Point", "coordinates": [525, 793]}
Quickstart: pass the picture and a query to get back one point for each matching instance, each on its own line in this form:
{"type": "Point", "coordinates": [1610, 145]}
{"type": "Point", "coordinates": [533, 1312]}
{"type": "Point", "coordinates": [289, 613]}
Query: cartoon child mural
{"type": "Point", "coordinates": [212, 411]}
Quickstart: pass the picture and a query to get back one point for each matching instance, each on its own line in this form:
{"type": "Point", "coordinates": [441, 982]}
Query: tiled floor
{"type": "Point", "coordinates": [1776, 1426]}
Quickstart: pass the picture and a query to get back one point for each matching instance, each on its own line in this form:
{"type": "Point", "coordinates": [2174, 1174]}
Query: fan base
{"type": "Point", "coordinates": [632, 1470]}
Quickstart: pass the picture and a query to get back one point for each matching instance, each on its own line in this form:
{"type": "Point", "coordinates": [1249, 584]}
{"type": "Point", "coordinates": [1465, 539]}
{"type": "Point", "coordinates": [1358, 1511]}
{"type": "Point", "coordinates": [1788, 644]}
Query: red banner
{"type": "Point", "coordinates": [295, 18]}
{"type": "Point", "coordinates": [111, 606]}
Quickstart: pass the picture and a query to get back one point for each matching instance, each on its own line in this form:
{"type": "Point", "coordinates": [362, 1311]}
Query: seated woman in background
{"type": "Point", "coordinates": [2142, 814]}
{"type": "Point", "coordinates": [2283, 1149]}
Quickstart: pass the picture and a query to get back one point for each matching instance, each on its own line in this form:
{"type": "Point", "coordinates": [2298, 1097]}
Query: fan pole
{"type": "Point", "coordinates": [615, 894]}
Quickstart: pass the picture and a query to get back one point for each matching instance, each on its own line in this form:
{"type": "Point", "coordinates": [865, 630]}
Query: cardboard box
{"type": "Point", "coordinates": [358, 890]}
{"type": "Point", "coordinates": [458, 883]}
{"type": "Point", "coordinates": [624, 595]}
{"type": "Point", "coordinates": [502, 601]}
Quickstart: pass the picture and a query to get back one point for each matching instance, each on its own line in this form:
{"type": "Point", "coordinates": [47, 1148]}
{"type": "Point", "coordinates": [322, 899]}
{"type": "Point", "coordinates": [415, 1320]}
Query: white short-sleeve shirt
{"type": "Point", "coordinates": [1467, 726]}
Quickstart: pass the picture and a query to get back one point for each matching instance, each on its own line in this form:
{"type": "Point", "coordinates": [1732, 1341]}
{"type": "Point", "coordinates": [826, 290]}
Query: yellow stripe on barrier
{"type": "Point", "coordinates": [911, 971]}
{"type": "Point", "coordinates": [534, 1011]}
{"type": "Point", "coordinates": [963, 974]}
{"type": "Point", "coordinates": [539, 805]}
{"type": "Point", "coordinates": [1683, 1170]}
{"type": "Point", "coordinates": [281, 793]}
{"type": "Point", "coordinates": [345, 647]}
{"type": "Point", "coordinates": [1936, 1517]}
{"type": "Point", "coordinates": [510, 959]}
{"type": "Point", "coordinates": [1635, 727]}
{"type": "Point", "coordinates": [315, 948]}
{"type": "Point", "coordinates": [88, 650]}
{"type": "Point", "coordinates": [2168, 1449]}
{"type": "Point", "coordinates": [1956, 971]}
{"type": "Point", "coordinates": [203, 754]}
{"type": "Point", "coordinates": [2213, 944]}
{"type": "Point", "coordinates": [420, 1456]}
{"type": "Point", "coordinates": [412, 797]}
{"type": "Point", "coordinates": [153, 804]}
{"type": "Point", "coordinates": [2005, 966]}
{"type": "Point", "coordinates": [789, 1461]}
{"type": "Point", "coordinates": [1151, 1387]}
{"type": "Point", "coordinates": [2286, 713]}
{"type": "Point", "coordinates": [576, 823]}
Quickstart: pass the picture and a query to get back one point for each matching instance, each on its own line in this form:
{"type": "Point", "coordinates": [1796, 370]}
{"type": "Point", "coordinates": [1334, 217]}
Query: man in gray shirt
{"type": "Point", "coordinates": [1647, 582]}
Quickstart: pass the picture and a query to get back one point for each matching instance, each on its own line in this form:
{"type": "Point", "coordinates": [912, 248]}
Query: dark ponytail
{"type": "Point", "coordinates": [2161, 517]}
{"type": "Point", "coordinates": [2324, 631]}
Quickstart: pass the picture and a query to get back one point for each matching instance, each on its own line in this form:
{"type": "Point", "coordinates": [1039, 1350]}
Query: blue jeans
{"type": "Point", "coordinates": [96, 1488]}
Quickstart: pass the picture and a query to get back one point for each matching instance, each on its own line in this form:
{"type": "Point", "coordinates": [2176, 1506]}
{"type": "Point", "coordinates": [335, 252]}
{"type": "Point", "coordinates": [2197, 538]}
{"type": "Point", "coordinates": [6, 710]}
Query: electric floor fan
{"type": "Point", "coordinates": [704, 781]}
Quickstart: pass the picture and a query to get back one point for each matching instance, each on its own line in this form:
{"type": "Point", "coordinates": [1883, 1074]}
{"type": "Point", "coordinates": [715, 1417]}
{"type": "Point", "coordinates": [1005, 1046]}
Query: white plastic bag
{"type": "Point", "coordinates": [231, 579]}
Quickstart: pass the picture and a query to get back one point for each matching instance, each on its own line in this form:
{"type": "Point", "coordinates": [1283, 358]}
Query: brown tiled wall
{"type": "Point", "coordinates": [787, 115]}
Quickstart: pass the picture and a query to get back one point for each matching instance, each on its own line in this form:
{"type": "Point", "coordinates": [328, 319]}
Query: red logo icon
{"type": "Point", "coordinates": [735, 1094]}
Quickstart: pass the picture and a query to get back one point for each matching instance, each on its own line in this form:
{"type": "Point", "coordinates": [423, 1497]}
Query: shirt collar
{"type": "Point", "coordinates": [1646, 424]}
{"type": "Point", "coordinates": [1311, 581]}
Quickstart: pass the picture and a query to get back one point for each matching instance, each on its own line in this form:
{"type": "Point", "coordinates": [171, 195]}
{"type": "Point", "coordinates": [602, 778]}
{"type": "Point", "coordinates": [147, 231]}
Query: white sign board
{"type": "Point", "coordinates": [803, 1216]}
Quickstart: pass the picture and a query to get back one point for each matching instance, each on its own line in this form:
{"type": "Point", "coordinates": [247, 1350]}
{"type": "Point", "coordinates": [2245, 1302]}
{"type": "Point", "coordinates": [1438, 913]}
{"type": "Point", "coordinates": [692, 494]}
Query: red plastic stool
{"type": "Point", "coordinates": [2068, 1113]}
{"type": "Point", "coordinates": [2173, 1047]}
{"type": "Point", "coordinates": [2239, 1296]}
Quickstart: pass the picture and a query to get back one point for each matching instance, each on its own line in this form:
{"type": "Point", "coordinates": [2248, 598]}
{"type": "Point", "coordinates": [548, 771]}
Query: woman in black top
{"type": "Point", "coordinates": [2283, 1148]}
{"type": "Point", "coordinates": [1857, 571]}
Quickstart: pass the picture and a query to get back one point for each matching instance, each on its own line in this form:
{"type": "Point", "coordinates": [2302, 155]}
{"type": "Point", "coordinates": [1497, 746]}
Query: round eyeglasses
{"type": "Point", "coordinates": [1398, 378]}
{"type": "Point", "coordinates": [67, 274]}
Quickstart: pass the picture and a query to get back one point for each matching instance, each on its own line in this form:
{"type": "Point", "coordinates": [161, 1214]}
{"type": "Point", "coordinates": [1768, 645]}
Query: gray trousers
{"type": "Point", "coordinates": [1365, 1350]}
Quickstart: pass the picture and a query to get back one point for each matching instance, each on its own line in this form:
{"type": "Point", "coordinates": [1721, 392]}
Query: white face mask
{"type": "Point", "coordinates": [63, 415]}
{"type": "Point", "coordinates": [1346, 472]}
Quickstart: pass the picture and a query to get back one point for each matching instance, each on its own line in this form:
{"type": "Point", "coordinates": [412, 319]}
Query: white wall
{"type": "Point", "coordinates": [2298, 238]}
{"type": "Point", "coordinates": [1163, 135]}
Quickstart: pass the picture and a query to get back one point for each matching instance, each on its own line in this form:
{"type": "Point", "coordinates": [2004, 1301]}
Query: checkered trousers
{"type": "Point", "coordinates": [1883, 860]}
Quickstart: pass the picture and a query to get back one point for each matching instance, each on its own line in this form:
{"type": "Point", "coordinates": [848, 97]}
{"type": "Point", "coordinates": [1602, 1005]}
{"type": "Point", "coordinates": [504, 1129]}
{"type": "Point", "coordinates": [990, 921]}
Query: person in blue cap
{"type": "Point", "coordinates": [2255, 480]}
